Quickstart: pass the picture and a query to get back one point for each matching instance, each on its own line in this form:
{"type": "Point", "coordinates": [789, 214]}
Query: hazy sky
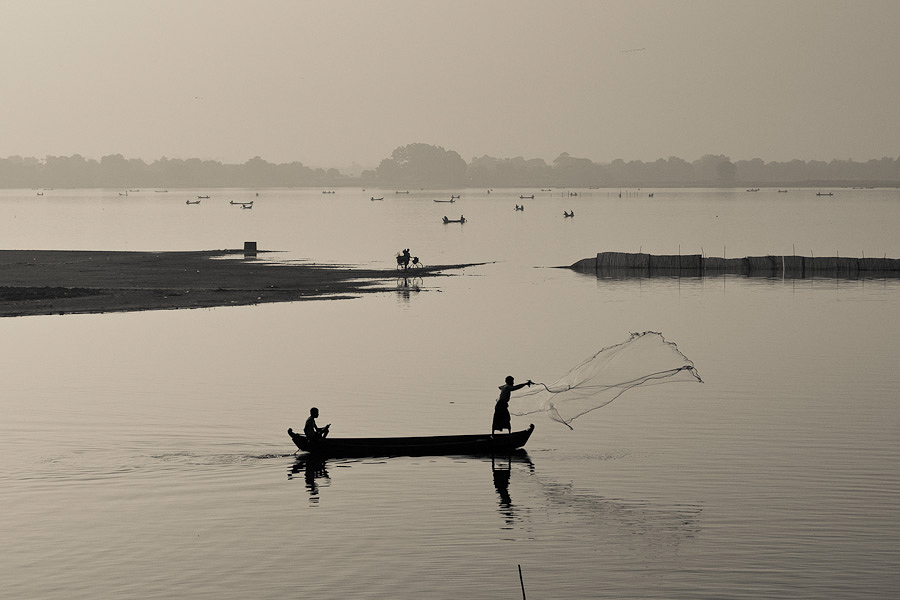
{"type": "Point", "coordinates": [332, 82]}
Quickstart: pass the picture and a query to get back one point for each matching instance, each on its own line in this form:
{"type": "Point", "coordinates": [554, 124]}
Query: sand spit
{"type": "Point", "coordinates": [43, 282]}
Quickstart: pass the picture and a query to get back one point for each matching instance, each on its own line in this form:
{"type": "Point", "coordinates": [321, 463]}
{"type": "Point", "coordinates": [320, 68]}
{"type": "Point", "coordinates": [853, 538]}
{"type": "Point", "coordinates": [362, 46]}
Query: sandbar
{"type": "Point", "coordinates": [45, 282]}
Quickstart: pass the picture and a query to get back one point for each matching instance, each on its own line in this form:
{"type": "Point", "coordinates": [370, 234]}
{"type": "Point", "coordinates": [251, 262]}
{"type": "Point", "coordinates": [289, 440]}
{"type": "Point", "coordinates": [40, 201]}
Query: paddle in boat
{"type": "Point", "coordinates": [414, 446]}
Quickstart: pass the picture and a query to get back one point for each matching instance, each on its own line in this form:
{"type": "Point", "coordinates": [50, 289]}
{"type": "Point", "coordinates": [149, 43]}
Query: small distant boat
{"type": "Point", "coordinates": [824, 193]}
{"type": "Point", "coordinates": [753, 190]}
{"type": "Point", "coordinates": [242, 204]}
{"type": "Point", "coordinates": [192, 202]}
{"type": "Point", "coordinates": [546, 190]}
{"type": "Point", "coordinates": [374, 199]}
{"type": "Point", "coordinates": [531, 197]}
{"type": "Point", "coordinates": [461, 219]}
{"type": "Point", "coordinates": [782, 191]}
{"type": "Point", "coordinates": [568, 214]}
{"type": "Point", "coordinates": [452, 197]}
{"type": "Point", "coordinates": [450, 200]}
{"type": "Point", "coordinates": [406, 192]}
{"type": "Point", "coordinates": [161, 191]}
{"type": "Point", "coordinates": [203, 197]}
{"type": "Point", "coordinates": [436, 445]}
{"type": "Point", "coordinates": [520, 207]}
{"type": "Point", "coordinates": [328, 191]}
{"type": "Point", "coordinates": [250, 205]}
{"type": "Point", "coordinates": [40, 193]}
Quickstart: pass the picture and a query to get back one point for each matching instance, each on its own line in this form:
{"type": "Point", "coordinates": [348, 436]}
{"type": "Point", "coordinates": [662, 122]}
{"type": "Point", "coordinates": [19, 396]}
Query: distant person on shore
{"type": "Point", "coordinates": [501, 409]}
{"type": "Point", "coordinates": [313, 431]}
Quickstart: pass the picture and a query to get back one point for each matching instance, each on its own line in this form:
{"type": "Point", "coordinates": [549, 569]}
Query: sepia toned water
{"type": "Point", "coordinates": [145, 455]}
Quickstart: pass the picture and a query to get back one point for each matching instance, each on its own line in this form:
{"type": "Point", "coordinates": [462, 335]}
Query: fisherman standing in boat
{"type": "Point", "coordinates": [313, 431]}
{"type": "Point", "coordinates": [501, 409]}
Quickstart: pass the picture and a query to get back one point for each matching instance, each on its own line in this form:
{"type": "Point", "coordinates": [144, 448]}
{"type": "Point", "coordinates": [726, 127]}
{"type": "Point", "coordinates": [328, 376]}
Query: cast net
{"type": "Point", "coordinates": [644, 359]}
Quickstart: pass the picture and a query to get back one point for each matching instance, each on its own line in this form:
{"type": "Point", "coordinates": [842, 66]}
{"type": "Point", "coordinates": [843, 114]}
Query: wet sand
{"type": "Point", "coordinates": [43, 282]}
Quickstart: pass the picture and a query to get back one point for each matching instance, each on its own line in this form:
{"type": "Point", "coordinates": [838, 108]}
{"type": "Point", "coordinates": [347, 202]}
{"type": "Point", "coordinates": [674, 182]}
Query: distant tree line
{"type": "Point", "coordinates": [427, 166]}
{"type": "Point", "coordinates": [710, 170]}
{"type": "Point", "coordinates": [116, 171]}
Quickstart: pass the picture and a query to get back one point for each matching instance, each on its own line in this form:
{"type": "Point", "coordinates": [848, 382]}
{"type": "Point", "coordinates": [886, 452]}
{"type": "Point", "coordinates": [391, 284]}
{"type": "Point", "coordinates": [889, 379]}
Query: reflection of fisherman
{"type": "Point", "coordinates": [313, 431]}
{"type": "Point", "coordinates": [501, 484]}
{"type": "Point", "coordinates": [501, 409]}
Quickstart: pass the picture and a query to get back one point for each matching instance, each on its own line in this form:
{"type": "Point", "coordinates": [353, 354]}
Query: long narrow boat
{"type": "Point", "coordinates": [414, 446]}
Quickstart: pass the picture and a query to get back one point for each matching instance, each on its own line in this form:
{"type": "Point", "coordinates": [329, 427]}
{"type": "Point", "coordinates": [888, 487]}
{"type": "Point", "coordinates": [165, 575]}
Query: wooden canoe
{"type": "Point", "coordinates": [415, 446]}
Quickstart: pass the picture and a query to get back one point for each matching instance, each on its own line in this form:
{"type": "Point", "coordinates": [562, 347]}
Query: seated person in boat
{"type": "Point", "coordinates": [501, 409]}
{"type": "Point", "coordinates": [313, 431]}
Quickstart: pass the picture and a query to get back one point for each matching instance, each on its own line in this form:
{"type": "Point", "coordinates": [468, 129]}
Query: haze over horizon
{"type": "Point", "coordinates": [335, 83]}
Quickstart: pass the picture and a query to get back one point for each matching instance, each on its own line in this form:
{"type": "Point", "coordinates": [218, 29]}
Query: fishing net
{"type": "Point", "coordinates": [644, 359]}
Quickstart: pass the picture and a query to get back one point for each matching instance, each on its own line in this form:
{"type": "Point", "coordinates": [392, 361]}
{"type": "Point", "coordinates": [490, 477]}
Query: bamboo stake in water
{"type": "Point", "coordinates": [522, 582]}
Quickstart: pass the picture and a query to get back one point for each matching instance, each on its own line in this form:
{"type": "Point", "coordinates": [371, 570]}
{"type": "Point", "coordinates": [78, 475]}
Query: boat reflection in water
{"type": "Point", "coordinates": [641, 524]}
{"type": "Point", "coordinates": [315, 473]}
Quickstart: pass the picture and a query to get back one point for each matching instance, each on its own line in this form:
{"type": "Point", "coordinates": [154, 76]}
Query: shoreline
{"type": "Point", "coordinates": [57, 282]}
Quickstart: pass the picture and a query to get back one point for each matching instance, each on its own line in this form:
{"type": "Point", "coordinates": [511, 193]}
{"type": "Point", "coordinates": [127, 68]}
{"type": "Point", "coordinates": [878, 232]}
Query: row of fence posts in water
{"type": "Point", "coordinates": [697, 265]}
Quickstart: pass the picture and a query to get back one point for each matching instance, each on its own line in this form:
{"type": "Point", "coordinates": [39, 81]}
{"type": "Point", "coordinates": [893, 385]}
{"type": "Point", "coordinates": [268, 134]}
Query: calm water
{"type": "Point", "coordinates": [145, 455]}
